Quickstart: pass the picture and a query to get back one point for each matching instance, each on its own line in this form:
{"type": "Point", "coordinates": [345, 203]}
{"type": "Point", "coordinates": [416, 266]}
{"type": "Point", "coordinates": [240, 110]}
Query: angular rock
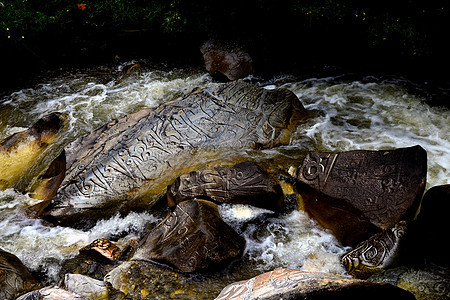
{"type": "Point", "coordinates": [358, 193]}
{"type": "Point", "coordinates": [51, 293]}
{"type": "Point", "coordinates": [130, 162]}
{"type": "Point", "coordinates": [244, 183]}
{"type": "Point", "coordinates": [103, 250]}
{"type": "Point", "coordinates": [86, 286]}
{"type": "Point", "coordinates": [293, 284]}
{"type": "Point", "coordinates": [191, 238]}
{"type": "Point", "coordinates": [15, 279]}
{"type": "Point", "coordinates": [376, 253]}
{"type": "Point", "coordinates": [424, 282]}
{"type": "Point", "coordinates": [226, 61]}
{"type": "Point", "coordinates": [23, 150]}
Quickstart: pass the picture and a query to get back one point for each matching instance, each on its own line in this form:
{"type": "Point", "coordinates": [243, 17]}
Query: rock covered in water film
{"type": "Point", "coordinates": [376, 253]}
{"type": "Point", "coordinates": [51, 293]}
{"type": "Point", "coordinates": [357, 193]}
{"type": "Point", "coordinates": [20, 151]}
{"type": "Point", "coordinates": [103, 250]}
{"type": "Point", "coordinates": [130, 162]}
{"type": "Point", "coordinates": [226, 61]}
{"type": "Point", "coordinates": [15, 279]}
{"type": "Point", "coordinates": [191, 238]}
{"type": "Point", "coordinates": [293, 284]}
{"type": "Point", "coordinates": [244, 183]}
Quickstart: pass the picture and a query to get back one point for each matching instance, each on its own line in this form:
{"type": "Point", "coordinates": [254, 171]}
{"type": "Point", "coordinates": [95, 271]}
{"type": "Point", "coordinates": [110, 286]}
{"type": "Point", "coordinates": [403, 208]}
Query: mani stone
{"type": "Point", "coordinates": [376, 253]}
{"type": "Point", "coordinates": [190, 238]}
{"type": "Point", "coordinates": [51, 293]}
{"type": "Point", "coordinates": [356, 194]}
{"type": "Point", "coordinates": [103, 250]}
{"type": "Point", "coordinates": [86, 286]}
{"type": "Point", "coordinates": [244, 183]}
{"type": "Point", "coordinates": [293, 284]}
{"type": "Point", "coordinates": [128, 164]}
{"type": "Point", "coordinates": [226, 61]}
{"type": "Point", "coordinates": [15, 279]}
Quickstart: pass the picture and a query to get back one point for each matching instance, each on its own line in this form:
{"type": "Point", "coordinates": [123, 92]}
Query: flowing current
{"type": "Point", "coordinates": [370, 113]}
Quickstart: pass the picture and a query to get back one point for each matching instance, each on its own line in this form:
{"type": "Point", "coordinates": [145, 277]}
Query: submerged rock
{"type": "Point", "coordinates": [22, 150]}
{"type": "Point", "coordinates": [51, 293]}
{"type": "Point", "coordinates": [375, 254]}
{"type": "Point", "coordinates": [15, 279]}
{"type": "Point", "coordinates": [293, 284]}
{"type": "Point", "coordinates": [226, 61]}
{"type": "Point", "coordinates": [191, 238]}
{"type": "Point", "coordinates": [244, 183]}
{"type": "Point", "coordinates": [130, 162]}
{"type": "Point", "coordinates": [358, 193]}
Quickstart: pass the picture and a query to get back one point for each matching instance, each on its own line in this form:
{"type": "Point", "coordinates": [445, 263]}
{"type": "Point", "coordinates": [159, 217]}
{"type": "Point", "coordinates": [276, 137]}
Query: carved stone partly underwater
{"type": "Point", "coordinates": [130, 162]}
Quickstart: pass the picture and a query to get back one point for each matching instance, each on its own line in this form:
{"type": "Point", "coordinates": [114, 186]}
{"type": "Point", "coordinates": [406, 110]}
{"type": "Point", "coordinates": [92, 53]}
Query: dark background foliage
{"type": "Point", "coordinates": [401, 35]}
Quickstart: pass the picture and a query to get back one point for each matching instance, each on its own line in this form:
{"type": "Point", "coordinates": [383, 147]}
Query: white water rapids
{"type": "Point", "coordinates": [367, 114]}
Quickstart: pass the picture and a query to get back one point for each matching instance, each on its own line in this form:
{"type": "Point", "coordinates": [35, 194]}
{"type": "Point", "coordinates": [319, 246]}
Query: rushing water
{"type": "Point", "coordinates": [370, 113]}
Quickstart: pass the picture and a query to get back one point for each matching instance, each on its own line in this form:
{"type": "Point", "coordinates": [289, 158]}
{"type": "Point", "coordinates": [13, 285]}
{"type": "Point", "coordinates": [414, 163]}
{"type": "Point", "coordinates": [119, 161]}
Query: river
{"type": "Point", "coordinates": [368, 113]}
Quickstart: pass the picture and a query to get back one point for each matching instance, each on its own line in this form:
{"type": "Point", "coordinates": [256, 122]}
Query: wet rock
{"type": "Point", "coordinates": [15, 279]}
{"type": "Point", "coordinates": [293, 284]}
{"type": "Point", "coordinates": [86, 286]}
{"type": "Point", "coordinates": [23, 150]}
{"type": "Point", "coordinates": [225, 61]}
{"type": "Point", "coordinates": [130, 162]}
{"type": "Point", "coordinates": [376, 253]}
{"type": "Point", "coordinates": [425, 283]}
{"type": "Point", "coordinates": [191, 238]}
{"type": "Point", "coordinates": [432, 225]}
{"type": "Point", "coordinates": [358, 193]}
{"type": "Point", "coordinates": [51, 293]}
{"type": "Point", "coordinates": [244, 183]}
{"type": "Point", "coordinates": [103, 250]}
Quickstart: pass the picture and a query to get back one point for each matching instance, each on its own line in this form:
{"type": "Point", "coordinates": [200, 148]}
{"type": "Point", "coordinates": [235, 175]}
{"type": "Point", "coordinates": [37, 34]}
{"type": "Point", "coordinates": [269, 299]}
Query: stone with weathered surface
{"type": "Point", "coordinates": [23, 150]}
{"type": "Point", "coordinates": [15, 279]}
{"type": "Point", "coordinates": [130, 162]}
{"type": "Point", "coordinates": [103, 250]}
{"type": "Point", "coordinates": [376, 253]}
{"type": "Point", "coordinates": [244, 183]}
{"type": "Point", "coordinates": [51, 293]}
{"type": "Point", "coordinates": [225, 61]}
{"type": "Point", "coordinates": [85, 286]}
{"type": "Point", "coordinates": [358, 193]}
{"type": "Point", "coordinates": [191, 238]}
{"type": "Point", "coordinates": [293, 284]}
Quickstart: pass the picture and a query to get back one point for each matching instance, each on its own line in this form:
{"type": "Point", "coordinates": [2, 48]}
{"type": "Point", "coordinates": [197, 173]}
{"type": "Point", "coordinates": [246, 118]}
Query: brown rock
{"type": "Point", "coordinates": [244, 183]}
{"type": "Point", "coordinates": [358, 193]}
{"type": "Point", "coordinates": [192, 237]}
{"type": "Point", "coordinates": [375, 254]}
{"type": "Point", "coordinates": [293, 284]}
{"type": "Point", "coordinates": [15, 279]}
{"type": "Point", "coordinates": [226, 61]}
{"type": "Point", "coordinates": [103, 250]}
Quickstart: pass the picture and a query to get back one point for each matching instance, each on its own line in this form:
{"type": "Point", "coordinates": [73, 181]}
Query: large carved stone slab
{"type": "Point", "coordinates": [134, 159]}
{"type": "Point", "coordinates": [244, 183]}
{"type": "Point", "coordinates": [15, 279]}
{"type": "Point", "coordinates": [293, 284]}
{"type": "Point", "coordinates": [376, 253]}
{"type": "Point", "coordinates": [191, 238]}
{"type": "Point", "coordinates": [357, 193]}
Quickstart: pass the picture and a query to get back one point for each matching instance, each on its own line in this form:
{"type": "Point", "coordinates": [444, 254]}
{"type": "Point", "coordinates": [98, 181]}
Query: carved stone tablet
{"type": "Point", "coordinates": [132, 161]}
{"type": "Point", "coordinates": [244, 183]}
{"type": "Point", "coordinates": [376, 253]}
{"type": "Point", "coordinates": [357, 193]}
{"type": "Point", "coordinates": [192, 237]}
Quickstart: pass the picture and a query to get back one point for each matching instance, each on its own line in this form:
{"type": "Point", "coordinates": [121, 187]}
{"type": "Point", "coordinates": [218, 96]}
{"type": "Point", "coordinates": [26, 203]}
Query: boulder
{"type": "Point", "coordinates": [293, 284]}
{"type": "Point", "coordinates": [129, 163]}
{"type": "Point", "coordinates": [86, 286]}
{"type": "Point", "coordinates": [191, 238]}
{"type": "Point", "coordinates": [51, 293]}
{"type": "Point", "coordinates": [226, 61]}
{"type": "Point", "coordinates": [376, 253]}
{"type": "Point", "coordinates": [243, 183]}
{"type": "Point", "coordinates": [23, 150]}
{"type": "Point", "coordinates": [15, 279]}
{"type": "Point", "coordinates": [359, 193]}
{"type": "Point", "coordinates": [432, 225]}
{"type": "Point", "coordinates": [424, 282]}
